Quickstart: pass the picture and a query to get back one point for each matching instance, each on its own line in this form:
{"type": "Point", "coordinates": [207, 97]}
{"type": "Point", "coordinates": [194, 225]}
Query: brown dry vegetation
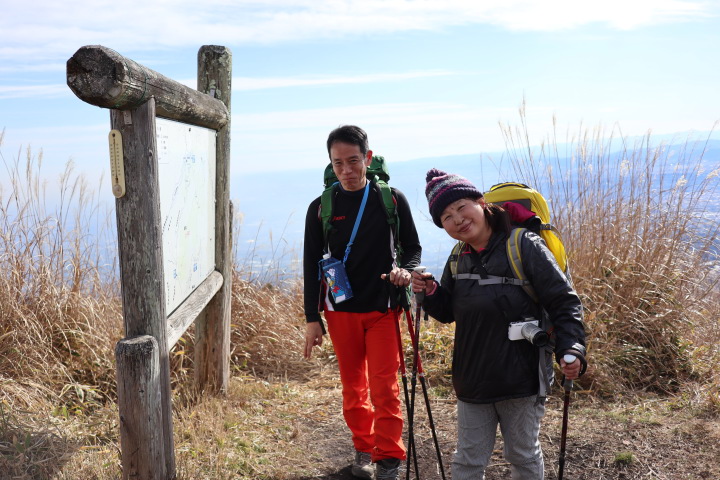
{"type": "Point", "coordinates": [648, 408]}
{"type": "Point", "coordinates": [641, 228]}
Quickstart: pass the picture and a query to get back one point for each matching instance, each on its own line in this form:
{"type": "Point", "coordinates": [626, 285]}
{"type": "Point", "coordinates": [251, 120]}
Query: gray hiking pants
{"type": "Point", "coordinates": [519, 421]}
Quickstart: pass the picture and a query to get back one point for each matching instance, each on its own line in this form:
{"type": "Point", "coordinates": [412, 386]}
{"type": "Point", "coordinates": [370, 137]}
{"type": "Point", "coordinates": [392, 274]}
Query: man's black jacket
{"type": "Point", "coordinates": [371, 253]}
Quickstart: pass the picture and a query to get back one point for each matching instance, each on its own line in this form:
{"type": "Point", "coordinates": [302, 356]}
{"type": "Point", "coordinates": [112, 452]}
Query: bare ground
{"type": "Point", "coordinates": [631, 438]}
{"type": "Point", "coordinates": [292, 429]}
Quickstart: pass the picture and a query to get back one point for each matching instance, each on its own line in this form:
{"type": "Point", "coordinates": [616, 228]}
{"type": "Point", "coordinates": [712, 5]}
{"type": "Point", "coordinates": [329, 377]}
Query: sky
{"type": "Point", "coordinates": [424, 77]}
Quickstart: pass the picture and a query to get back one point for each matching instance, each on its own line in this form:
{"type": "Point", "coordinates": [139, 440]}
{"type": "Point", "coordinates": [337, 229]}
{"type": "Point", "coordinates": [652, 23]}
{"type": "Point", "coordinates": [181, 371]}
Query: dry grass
{"type": "Point", "coordinates": [651, 304]}
{"type": "Point", "coordinates": [32, 448]}
{"type": "Point", "coordinates": [59, 314]}
{"type": "Point", "coordinates": [642, 228]}
{"type": "Point", "coordinates": [60, 319]}
{"type": "Point", "coordinates": [57, 308]}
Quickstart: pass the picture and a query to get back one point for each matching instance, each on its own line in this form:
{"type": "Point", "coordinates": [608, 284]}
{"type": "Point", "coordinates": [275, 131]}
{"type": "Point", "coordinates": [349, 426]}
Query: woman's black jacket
{"type": "Point", "coordinates": [487, 366]}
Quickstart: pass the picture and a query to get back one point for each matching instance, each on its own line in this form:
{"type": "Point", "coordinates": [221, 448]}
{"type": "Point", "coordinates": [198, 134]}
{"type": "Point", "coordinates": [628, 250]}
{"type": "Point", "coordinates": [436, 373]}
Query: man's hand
{"type": "Point", "coordinates": [398, 277]}
{"type": "Point", "coordinates": [313, 337]}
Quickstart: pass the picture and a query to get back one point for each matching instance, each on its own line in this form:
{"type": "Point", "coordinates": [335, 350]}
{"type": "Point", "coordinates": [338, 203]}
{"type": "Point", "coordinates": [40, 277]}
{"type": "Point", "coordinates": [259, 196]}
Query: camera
{"type": "Point", "coordinates": [528, 330]}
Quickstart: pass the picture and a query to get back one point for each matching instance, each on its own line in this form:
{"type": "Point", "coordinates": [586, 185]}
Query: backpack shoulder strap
{"type": "Point", "coordinates": [481, 279]}
{"type": "Point", "coordinates": [389, 206]}
{"type": "Point", "coordinates": [326, 207]}
{"type": "Point", "coordinates": [391, 211]}
{"type": "Point", "coordinates": [514, 253]}
{"type": "Point", "coordinates": [388, 201]}
{"type": "Point", "coordinates": [454, 256]}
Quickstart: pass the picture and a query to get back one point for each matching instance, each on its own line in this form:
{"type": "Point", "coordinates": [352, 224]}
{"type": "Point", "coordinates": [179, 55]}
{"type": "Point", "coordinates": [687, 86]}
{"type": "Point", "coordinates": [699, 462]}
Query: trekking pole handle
{"type": "Point", "coordinates": [567, 384]}
{"type": "Point", "coordinates": [569, 358]}
{"type": "Point", "coordinates": [419, 296]}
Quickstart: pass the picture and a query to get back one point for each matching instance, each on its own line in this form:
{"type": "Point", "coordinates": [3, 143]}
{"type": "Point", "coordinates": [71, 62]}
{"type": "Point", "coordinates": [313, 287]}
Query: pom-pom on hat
{"type": "Point", "coordinates": [442, 189]}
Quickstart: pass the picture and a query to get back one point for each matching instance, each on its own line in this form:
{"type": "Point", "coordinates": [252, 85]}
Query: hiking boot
{"type": "Point", "coordinates": [362, 466]}
{"type": "Point", "coordinates": [388, 469]}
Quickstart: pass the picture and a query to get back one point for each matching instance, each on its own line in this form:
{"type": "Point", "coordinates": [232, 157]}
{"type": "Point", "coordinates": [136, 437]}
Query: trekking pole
{"type": "Point", "coordinates": [409, 404]}
{"type": "Point", "coordinates": [419, 298]}
{"type": "Point", "coordinates": [567, 385]}
{"type": "Point", "coordinates": [421, 374]}
{"type": "Point", "coordinates": [414, 338]}
{"type": "Point", "coordinates": [411, 451]}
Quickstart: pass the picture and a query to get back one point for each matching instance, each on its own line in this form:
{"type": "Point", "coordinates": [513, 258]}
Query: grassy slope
{"type": "Point", "coordinates": [651, 308]}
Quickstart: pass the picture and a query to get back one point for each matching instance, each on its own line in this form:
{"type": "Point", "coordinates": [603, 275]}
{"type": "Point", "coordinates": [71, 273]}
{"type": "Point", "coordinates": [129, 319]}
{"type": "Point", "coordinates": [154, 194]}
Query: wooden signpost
{"type": "Point", "coordinates": [159, 239]}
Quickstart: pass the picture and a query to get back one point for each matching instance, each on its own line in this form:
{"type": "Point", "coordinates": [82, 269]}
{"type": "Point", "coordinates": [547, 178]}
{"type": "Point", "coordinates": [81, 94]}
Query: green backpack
{"type": "Point", "coordinates": [377, 173]}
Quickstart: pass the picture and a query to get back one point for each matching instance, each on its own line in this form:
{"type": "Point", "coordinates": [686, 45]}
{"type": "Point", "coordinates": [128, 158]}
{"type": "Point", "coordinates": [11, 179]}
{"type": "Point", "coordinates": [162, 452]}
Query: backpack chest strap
{"type": "Point", "coordinates": [491, 279]}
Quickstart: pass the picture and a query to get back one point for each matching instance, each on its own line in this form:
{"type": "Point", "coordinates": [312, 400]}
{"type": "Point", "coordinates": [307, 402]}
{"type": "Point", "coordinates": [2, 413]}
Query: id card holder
{"type": "Point", "coordinates": [336, 278]}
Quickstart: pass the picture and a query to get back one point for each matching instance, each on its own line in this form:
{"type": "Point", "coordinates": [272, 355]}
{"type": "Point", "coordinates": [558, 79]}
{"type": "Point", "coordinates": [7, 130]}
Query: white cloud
{"type": "Point", "coordinates": [239, 83]}
{"type": "Point", "coordinates": [401, 131]}
{"type": "Point", "coordinates": [33, 91]}
{"type": "Point", "coordinates": [43, 67]}
{"type": "Point", "coordinates": [391, 113]}
{"type": "Point", "coordinates": [532, 15]}
{"type": "Point", "coordinates": [250, 83]}
{"type": "Point", "coordinates": [49, 28]}
{"type": "Point", "coordinates": [404, 131]}
{"type": "Point", "coordinates": [264, 83]}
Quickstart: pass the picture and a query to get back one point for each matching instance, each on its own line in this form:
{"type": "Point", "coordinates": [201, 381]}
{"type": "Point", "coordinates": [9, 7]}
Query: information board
{"type": "Point", "coordinates": [186, 169]}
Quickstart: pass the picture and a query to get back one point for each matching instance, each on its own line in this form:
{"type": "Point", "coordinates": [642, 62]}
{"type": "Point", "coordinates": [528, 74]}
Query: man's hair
{"type": "Point", "coordinates": [349, 134]}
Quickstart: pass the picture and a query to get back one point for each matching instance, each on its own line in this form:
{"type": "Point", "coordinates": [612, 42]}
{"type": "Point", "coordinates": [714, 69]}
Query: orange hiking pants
{"type": "Point", "coordinates": [366, 348]}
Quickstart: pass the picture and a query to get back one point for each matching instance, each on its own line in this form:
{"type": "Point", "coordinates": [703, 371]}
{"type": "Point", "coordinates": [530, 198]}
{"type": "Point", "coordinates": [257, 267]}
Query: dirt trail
{"type": "Point", "coordinates": [629, 440]}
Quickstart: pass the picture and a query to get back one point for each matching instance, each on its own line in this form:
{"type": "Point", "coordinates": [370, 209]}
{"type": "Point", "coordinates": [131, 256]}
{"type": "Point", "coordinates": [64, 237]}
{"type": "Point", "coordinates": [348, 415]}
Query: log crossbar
{"type": "Point", "coordinates": [101, 76]}
{"type": "Point", "coordinates": [184, 316]}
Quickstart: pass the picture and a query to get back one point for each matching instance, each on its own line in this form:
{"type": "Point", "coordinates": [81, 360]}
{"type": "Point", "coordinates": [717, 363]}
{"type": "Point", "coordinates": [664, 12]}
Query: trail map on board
{"type": "Point", "coordinates": [186, 159]}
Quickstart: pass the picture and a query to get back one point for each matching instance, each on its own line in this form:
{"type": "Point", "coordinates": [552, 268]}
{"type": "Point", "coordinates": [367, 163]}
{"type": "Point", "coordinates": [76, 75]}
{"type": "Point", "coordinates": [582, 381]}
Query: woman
{"type": "Point", "coordinates": [495, 378]}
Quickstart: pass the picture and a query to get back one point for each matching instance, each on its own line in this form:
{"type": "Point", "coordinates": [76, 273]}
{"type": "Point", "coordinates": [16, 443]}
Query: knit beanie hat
{"type": "Point", "coordinates": [442, 189]}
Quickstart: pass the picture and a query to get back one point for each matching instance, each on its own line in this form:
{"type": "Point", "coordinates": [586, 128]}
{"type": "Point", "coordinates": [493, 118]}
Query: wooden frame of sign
{"type": "Point", "coordinates": [175, 266]}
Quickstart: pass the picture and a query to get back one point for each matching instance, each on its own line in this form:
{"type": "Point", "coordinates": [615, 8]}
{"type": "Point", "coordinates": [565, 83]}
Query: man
{"type": "Point", "coordinates": [363, 328]}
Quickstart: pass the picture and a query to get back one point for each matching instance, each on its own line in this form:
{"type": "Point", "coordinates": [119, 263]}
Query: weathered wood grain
{"type": "Point", "coordinates": [184, 316]}
{"type": "Point", "coordinates": [139, 402]}
{"type": "Point", "coordinates": [212, 340]}
{"type": "Point", "coordinates": [101, 76]}
{"type": "Point", "coordinates": [139, 227]}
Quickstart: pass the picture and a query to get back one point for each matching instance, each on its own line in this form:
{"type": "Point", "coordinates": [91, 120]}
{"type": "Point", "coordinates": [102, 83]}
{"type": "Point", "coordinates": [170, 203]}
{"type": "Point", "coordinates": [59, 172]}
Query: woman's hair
{"type": "Point", "coordinates": [497, 217]}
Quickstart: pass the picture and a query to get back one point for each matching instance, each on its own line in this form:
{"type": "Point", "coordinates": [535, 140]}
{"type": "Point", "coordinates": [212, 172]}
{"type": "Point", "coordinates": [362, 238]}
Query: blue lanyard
{"type": "Point", "coordinates": [357, 222]}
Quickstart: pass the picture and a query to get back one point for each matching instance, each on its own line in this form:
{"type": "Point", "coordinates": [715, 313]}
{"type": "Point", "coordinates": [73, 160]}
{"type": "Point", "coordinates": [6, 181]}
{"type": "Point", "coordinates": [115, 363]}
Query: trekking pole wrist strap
{"type": "Point", "coordinates": [432, 290]}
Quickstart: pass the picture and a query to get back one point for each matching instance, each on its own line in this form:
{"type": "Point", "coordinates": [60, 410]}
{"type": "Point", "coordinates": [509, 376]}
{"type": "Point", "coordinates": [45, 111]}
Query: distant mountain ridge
{"type": "Point", "coordinates": [273, 205]}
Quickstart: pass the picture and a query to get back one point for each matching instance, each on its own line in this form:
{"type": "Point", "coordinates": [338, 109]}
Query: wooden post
{"type": "Point", "coordinates": [100, 76]}
{"type": "Point", "coordinates": [139, 228]}
{"type": "Point", "coordinates": [212, 347]}
{"type": "Point", "coordinates": [138, 391]}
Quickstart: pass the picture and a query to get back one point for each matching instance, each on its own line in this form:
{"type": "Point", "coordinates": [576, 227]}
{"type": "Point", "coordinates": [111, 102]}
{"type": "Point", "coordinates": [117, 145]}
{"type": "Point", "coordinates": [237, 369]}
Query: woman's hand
{"type": "Point", "coordinates": [423, 282]}
{"type": "Point", "coordinates": [571, 370]}
{"type": "Point", "coordinates": [398, 277]}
